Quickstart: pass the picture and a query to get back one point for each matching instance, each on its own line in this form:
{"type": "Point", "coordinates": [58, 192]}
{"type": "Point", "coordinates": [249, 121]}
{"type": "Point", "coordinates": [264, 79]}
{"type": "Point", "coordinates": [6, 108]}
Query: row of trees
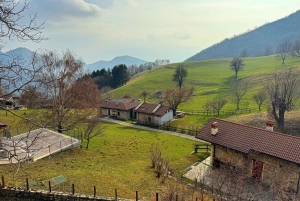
{"type": "Point", "coordinates": [281, 89]}
{"type": "Point", "coordinates": [134, 69]}
{"type": "Point", "coordinates": [114, 78]}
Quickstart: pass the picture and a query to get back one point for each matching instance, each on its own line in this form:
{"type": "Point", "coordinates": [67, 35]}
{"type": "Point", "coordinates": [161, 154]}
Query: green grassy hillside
{"type": "Point", "coordinates": [210, 78]}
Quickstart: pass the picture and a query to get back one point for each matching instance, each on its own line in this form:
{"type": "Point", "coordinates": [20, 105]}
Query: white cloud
{"type": "Point", "coordinates": [58, 10]}
{"type": "Point", "coordinates": [149, 29]}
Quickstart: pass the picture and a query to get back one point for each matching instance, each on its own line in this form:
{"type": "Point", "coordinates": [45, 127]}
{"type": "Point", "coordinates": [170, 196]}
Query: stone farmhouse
{"type": "Point", "coordinates": [269, 157]}
{"type": "Point", "coordinates": [155, 114]}
{"type": "Point", "coordinates": [130, 108]}
{"type": "Point", "coordinates": [119, 107]}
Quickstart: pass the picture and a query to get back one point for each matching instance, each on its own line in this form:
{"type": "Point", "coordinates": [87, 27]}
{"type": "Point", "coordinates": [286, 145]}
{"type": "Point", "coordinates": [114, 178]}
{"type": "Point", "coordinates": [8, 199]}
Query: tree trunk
{"type": "Point", "coordinates": [237, 105]}
{"type": "Point", "coordinates": [281, 119]}
{"type": "Point", "coordinates": [59, 129]}
{"type": "Point", "coordinates": [87, 143]}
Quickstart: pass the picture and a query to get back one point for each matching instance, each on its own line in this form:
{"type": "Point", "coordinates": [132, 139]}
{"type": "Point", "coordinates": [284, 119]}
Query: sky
{"type": "Point", "coordinates": [146, 29]}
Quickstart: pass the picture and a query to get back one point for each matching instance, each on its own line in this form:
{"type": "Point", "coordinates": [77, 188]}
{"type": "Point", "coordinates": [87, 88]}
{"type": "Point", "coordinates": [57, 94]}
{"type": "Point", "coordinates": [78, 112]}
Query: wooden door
{"type": "Point", "coordinates": [257, 169]}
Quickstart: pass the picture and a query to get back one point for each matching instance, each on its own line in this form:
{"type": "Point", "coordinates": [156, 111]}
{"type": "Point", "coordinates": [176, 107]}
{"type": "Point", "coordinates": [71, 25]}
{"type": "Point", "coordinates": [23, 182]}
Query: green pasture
{"type": "Point", "coordinates": [210, 78]}
{"type": "Point", "coordinates": [117, 160]}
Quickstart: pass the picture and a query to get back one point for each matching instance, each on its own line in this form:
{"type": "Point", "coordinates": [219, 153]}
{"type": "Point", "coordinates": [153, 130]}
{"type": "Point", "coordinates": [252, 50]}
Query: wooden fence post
{"type": "Point", "coordinates": [156, 196]}
{"type": "Point", "coordinates": [27, 184]}
{"type": "Point", "coordinates": [3, 182]}
{"type": "Point", "coordinates": [73, 189]}
{"type": "Point", "coordinates": [136, 195]}
{"type": "Point", "coordinates": [116, 194]}
{"type": "Point", "coordinates": [94, 191]}
{"type": "Point", "coordinates": [49, 186]}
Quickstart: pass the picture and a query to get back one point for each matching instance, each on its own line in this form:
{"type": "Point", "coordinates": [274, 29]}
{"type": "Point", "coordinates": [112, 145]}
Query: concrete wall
{"type": "Point", "coordinates": [13, 194]}
{"type": "Point", "coordinates": [275, 171]}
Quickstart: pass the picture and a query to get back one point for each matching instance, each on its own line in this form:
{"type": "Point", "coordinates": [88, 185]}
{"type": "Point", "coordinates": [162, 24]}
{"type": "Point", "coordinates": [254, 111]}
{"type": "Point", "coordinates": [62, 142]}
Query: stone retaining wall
{"type": "Point", "coordinates": [15, 194]}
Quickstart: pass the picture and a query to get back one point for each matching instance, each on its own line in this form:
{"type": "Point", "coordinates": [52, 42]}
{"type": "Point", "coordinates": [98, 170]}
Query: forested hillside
{"type": "Point", "coordinates": [261, 41]}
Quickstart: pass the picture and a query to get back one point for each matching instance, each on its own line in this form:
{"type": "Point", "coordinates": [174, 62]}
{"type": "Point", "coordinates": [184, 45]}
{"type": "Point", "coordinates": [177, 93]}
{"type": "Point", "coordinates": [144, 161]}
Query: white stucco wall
{"type": "Point", "coordinates": [165, 118]}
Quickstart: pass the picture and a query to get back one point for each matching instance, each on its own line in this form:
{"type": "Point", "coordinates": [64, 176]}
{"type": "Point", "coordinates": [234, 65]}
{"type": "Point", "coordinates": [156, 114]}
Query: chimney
{"type": "Point", "coordinates": [214, 128]}
{"type": "Point", "coordinates": [269, 125]}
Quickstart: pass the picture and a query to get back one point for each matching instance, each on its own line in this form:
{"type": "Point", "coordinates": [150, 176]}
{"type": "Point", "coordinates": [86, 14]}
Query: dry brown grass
{"type": "Point", "coordinates": [292, 121]}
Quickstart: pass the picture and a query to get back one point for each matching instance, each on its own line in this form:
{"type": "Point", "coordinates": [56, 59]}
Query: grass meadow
{"type": "Point", "coordinates": [120, 159]}
{"type": "Point", "coordinates": [210, 78]}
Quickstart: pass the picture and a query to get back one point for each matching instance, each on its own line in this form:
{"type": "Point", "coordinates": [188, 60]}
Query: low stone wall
{"type": "Point", "coordinates": [15, 194]}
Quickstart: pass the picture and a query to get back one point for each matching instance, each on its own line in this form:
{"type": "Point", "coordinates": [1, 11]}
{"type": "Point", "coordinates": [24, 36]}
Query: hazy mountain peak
{"type": "Point", "coordinates": [127, 60]}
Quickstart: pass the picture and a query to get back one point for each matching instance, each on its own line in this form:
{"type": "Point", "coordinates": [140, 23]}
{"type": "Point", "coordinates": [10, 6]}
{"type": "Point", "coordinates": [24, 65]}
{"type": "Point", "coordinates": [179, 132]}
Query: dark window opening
{"type": "Point", "coordinates": [257, 169]}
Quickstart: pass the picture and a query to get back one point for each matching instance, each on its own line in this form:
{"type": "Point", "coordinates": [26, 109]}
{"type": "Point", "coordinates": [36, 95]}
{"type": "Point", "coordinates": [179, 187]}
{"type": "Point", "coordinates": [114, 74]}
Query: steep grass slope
{"type": "Point", "coordinates": [210, 78]}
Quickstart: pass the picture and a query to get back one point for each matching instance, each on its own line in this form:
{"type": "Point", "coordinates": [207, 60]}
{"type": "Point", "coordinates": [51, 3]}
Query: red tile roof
{"type": "Point", "coordinates": [245, 138]}
{"type": "Point", "coordinates": [120, 104]}
{"type": "Point", "coordinates": [156, 109]}
{"type": "Point", "coordinates": [2, 124]}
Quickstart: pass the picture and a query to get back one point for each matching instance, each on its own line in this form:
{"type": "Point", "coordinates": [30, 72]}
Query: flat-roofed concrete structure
{"type": "Point", "coordinates": [34, 145]}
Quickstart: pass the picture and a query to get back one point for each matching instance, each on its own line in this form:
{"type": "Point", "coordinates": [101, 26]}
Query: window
{"type": "Point", "coordinates": [149, 119]}
{"type": "Point", "coordinates": [118, 113]}
{"type": "Point", "coordinates": [257, 169]}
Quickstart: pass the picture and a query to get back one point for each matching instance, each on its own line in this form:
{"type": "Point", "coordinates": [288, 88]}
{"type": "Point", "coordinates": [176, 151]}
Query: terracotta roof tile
{"type": "Point", "coordinates": [245, 138]}
{"type": "Point", "coordinates": [2, 124]}
{"type": "Point", "coordinates": [120, 104]}
{"type": "Point", "coordinates": [148, 108]}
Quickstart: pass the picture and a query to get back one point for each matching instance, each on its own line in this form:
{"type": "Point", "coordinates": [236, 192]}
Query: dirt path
{"type": "Point", "coordinates": [151, 129]}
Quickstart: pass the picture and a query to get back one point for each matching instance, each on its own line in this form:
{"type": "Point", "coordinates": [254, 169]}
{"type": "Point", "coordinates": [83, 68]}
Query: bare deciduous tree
{"type": "Point", "coordinates": [259, 98]}
{"type": "Point", "coordinates": [72, 96]}
{"type": "Point", "coordinates": [180, 75]}
{"type": "Point", "coordinates": [174, 97]}
{"type": "Point", "coordinates": [283, 50]}
{"type": "Point", "coordinates": [236, 64]}
{"type": "Point", "coordinates": [283, 92]}
{"type": "Point", "coordinates": [15, 73]}
{"type": "Point", "coordinates": [159, 163]}
{"type": "Point", "coordinates": [238, 89]}
{"type": "Point", "coordinates": [32, 97]}
{"type": "Point", "coordinates": [145, 94]}
{"type": "Point", "coordinates": [244, 53]}
{"type": "Point", "coordinates": [92, 129]}
{"type": "Point", "coordinates": [296, 49]}
{"type": "Point", "coordinates": [216, 105]}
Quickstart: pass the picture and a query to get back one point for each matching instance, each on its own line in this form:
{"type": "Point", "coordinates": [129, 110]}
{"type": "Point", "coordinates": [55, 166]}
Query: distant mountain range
{"type": "Point", "coordinates": [127, 60]}
{"type": "Point", "coordinates": [23, 55]}
{"type": "Point", "coordinates": [261, 41]}
{"type": "Point", "coordinates": [26, 55]}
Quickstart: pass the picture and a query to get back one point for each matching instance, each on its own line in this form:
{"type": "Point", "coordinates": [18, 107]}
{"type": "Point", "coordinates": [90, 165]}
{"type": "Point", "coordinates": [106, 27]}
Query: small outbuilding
{"type": "Point", "coordinates": [153, 114]}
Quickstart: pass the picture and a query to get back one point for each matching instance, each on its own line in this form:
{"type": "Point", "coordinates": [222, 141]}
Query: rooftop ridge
{"type": "Point", "coordinates": [261, 129]}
